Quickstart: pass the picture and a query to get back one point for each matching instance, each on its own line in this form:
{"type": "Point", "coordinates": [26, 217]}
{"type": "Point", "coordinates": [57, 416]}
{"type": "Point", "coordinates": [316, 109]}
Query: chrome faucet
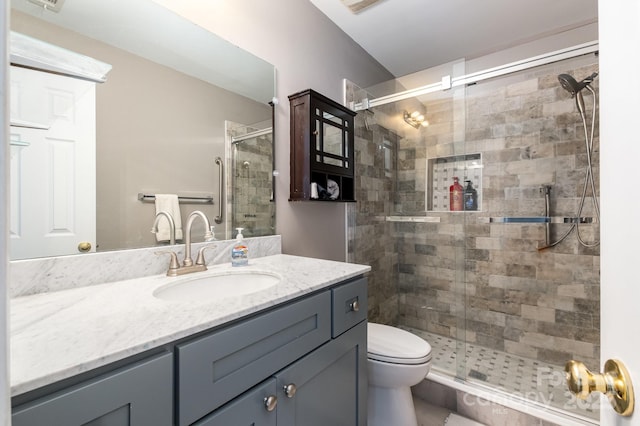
{"type": "Point", "coordinates": [188, 262]}
{"type": "Point", "coordinates": [188, 266]}
{"type": "Point", "coordinates": [172, 226]}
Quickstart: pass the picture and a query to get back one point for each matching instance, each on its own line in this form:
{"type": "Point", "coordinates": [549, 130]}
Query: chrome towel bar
{"type": "Point", "coordinates": [150, 198]}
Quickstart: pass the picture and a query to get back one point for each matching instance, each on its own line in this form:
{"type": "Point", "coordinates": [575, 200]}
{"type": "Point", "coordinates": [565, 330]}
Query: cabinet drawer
{"type": "Point", "coordinates": [213, 369]}
{"type": "Point", "coordinates": [140, 395]}
{"type": "Point", "coordinates": [349, 304]}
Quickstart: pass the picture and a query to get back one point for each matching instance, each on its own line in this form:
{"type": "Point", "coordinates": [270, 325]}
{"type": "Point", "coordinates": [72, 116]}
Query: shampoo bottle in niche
{"type": "Point", "coordinates": [456, 195]}
{"type": "Point", "coordinates": [470, 197]}
{"type": "Point", "coordinates": [240, 251]}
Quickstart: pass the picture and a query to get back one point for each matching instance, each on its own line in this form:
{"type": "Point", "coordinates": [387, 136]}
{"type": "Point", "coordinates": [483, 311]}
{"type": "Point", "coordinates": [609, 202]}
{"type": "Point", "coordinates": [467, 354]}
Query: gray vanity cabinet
{"type": "Point", "coordinates": [303, 363]}
{"type": "Point", "coordinates": [218, 367]}
{"type": "Point", "coordinates": [326, 386]}
{"type": "Point", "coordinates": [140, 395]}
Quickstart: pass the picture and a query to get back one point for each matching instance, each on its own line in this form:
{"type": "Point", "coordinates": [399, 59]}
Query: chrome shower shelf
{"type": "Point", "coordinates": [539, 219]}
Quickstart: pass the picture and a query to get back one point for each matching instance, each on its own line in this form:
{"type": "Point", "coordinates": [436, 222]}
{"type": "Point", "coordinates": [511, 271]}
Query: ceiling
{"type": "Point", "coordinates": [406, 36]}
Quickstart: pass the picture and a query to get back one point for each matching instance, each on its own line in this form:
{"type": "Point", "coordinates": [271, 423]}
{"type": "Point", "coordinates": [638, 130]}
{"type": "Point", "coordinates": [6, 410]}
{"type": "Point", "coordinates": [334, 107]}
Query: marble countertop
{"type": "Point", "coordinates": [60, 334]}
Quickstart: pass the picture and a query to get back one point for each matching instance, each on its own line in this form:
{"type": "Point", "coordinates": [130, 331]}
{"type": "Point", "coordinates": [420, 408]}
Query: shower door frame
{"type": "Point", "coordinates": [447, 82]}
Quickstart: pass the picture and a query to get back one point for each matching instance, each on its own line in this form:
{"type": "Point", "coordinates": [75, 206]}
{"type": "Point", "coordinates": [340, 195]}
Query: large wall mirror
{"type": "Point", "coordinates": [177, 98]}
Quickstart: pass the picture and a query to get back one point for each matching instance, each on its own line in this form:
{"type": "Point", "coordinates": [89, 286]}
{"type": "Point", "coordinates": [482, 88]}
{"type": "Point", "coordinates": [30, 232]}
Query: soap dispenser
{"type": "Point", "coordinates": [470, 197]}
{"type": "Point", "coordinates": [240, 251]}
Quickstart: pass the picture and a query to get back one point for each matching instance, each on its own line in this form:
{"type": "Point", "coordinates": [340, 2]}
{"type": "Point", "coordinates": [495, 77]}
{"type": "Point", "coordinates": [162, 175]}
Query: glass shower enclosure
{"type": "Point", "coordinates": [497, 282]}
{"type": "Point", "coordinates": [250, 198]}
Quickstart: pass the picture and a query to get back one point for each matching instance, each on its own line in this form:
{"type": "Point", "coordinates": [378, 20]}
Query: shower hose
{"type": "Point", "coordinates": [588, 182]}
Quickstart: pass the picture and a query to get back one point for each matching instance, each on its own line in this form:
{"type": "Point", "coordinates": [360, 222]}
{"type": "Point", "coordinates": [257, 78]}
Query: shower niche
{"type": "Point", "coordinates": [441, 172]}
{"type": "Point", "coordinates": [322, 149]}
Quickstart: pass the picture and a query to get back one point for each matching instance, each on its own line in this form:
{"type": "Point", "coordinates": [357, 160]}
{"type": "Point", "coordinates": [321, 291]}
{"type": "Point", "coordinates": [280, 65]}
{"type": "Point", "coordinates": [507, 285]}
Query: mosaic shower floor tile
{"type": "Point", "coordinates": [513, 376]}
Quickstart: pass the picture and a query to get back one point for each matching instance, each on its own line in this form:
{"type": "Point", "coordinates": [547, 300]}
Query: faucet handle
{"type": "Point", "coordinates": [200, 258]}
{"type": "Point", "coordinates": [173, 264]}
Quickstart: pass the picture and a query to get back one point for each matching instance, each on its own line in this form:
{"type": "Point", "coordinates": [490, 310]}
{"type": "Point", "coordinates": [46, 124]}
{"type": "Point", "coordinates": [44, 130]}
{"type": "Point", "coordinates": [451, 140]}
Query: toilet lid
{"type": "Point", "coordinates": [391, 344]}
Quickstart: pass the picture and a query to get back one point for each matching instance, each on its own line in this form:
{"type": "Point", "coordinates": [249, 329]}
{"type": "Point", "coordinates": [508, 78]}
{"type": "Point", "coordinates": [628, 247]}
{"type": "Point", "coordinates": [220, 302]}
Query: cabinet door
{"type": "Point", "coordinates": [330, 384]}
{"type": "Point", "coordinates": [249, 409]}
{"type": "Point", "coordinates": [139, 395]}
{"type": "Point", "coordinates": [214, 369]}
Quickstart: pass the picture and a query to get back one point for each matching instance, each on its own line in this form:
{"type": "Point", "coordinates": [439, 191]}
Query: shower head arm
{"type": "Point", "coordinates": [589, 79]}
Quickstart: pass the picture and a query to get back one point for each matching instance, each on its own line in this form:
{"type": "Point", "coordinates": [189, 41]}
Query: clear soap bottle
{"type": "Point", "coordinates": [240, 251]}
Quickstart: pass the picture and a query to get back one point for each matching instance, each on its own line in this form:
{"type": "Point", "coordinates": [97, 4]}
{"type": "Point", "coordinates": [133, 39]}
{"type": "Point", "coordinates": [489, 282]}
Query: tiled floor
{"type": "Point", "coordinates": [516, 377]}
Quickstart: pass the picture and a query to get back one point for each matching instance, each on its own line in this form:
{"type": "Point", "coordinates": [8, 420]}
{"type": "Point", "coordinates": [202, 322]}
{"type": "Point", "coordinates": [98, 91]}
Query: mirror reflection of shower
{"type": "Point", "coordinates": [251, 181]}
{"type": "Point", "coordinates": [575, 88]}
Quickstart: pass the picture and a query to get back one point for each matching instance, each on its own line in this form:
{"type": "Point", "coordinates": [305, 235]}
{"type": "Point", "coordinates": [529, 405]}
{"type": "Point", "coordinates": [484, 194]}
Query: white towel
{"type": "Point", "coordinates": [169, 204]}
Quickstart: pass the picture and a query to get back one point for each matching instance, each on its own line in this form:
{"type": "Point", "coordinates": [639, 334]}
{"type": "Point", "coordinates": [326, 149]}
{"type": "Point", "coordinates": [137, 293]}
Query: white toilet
{"type": "Point", "coordinates": [397, 360]}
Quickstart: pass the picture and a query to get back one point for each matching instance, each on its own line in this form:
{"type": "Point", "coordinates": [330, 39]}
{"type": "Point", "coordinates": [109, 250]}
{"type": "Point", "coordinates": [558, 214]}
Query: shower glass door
{"type": "Point", "coordinates": [408, 152]}
{"type": "Point", "coordinates": [532, 269]}
{"type": "Point", "coordinates": [251, 175]}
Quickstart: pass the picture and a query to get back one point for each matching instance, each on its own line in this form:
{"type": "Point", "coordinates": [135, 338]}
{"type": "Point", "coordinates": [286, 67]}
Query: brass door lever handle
{"type": "Point", "coordinates": [615, 382]}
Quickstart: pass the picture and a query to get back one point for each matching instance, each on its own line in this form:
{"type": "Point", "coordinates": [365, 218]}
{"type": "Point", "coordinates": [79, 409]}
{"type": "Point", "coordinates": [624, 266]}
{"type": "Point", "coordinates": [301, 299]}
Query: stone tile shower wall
{"type": "Point", "coordinates": [487, 283]}
{"type": "Point", "coordinates": [371, 238]}
{"type": "Point", "coordinates": [253, 206]}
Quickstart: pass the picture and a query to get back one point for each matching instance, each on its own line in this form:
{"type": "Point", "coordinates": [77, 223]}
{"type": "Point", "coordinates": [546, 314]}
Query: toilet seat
{"type": "Point", "coordinates": [393, 345]}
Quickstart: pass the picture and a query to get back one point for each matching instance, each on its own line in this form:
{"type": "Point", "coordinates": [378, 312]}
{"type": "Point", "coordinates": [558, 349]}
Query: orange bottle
{"type": "Point", "coordinates": [456, 196]}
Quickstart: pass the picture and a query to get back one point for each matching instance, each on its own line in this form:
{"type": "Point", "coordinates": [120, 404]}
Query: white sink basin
{"type": "Point", "coordinates": [217, 286]}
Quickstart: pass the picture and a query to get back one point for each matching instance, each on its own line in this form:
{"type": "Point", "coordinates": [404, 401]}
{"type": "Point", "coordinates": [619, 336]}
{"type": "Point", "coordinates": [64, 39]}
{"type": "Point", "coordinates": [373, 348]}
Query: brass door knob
{"type": "Point", "coordinates": [84, 247]}
{"type": "Point", "coordinates": [615, 382]}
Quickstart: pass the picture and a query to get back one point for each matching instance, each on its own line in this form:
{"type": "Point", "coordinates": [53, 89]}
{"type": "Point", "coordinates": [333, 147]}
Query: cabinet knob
{"type": "Point", "coordinates": [270, 402]}
{"type": "Point", "coordinates": [354, 306]}
{"type": "Point", "coordinates": [290, 390]}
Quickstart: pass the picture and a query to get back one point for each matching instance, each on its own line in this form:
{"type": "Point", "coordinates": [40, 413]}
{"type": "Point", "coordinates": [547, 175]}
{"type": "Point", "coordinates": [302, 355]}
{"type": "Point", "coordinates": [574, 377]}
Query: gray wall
{"type": "Point", "coordinates": [308, 51]}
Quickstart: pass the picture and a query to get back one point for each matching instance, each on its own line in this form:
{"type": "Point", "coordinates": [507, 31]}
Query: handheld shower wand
{"type": "Point", "coordinates": [575, 88]}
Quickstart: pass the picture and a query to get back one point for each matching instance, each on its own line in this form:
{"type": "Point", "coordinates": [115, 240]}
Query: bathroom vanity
{"type": "Point", "coordinates": [294, 354]}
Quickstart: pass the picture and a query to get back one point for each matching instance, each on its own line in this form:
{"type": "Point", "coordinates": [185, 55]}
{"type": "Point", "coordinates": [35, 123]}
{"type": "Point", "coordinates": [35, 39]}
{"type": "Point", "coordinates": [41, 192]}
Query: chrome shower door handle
{"type": "Point", "coordinates": [218, 219]}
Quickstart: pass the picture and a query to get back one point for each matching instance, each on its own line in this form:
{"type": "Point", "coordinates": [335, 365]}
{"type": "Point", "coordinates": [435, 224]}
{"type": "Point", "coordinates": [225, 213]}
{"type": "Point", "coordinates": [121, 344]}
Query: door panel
{"type": "Point", "coordinates": [52, 165]}
{"type": "Point", "coordinates": [619, 34]}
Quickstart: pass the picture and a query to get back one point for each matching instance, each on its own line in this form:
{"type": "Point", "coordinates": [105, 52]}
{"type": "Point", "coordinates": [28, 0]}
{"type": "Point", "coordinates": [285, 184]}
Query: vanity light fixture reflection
{"type": "Point", "coordinates": [415, 119]}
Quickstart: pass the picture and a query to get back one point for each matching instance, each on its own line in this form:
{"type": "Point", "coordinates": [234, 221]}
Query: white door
{"type": "Point", "coordinates": [53, 176]}
{"type": "Point", "coordinates": [619, 35]}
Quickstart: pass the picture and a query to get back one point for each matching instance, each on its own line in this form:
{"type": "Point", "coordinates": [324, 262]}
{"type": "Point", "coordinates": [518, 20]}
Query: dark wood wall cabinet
{"type": "Point", "coordinates": [322, 153]}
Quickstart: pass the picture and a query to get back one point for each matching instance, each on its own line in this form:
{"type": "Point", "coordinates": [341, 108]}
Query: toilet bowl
{"type": "Point", "coordinates": [396, 361]}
